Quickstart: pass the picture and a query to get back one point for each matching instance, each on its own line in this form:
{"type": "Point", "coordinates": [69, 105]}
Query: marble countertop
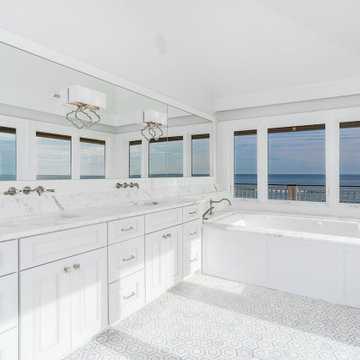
{"type": "Point", "coordinates": [30, 226]}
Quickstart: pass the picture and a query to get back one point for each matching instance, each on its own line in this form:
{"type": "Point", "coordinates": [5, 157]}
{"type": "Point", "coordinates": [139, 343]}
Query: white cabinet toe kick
{"type": "Point", "coordinates": [67, 286]}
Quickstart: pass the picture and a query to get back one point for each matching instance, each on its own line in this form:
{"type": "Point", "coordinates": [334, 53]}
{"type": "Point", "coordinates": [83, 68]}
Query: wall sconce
{"type": "Point", "coordinates": [153, 120]}
{"type": "Point", "coordinates": [86, 102]}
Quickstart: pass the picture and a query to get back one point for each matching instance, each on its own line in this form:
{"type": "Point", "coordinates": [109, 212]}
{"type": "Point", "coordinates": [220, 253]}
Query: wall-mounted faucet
{"type": "Point", "coordinates": [27, 190]}
{"type": "Point", "coordinates": [126, 185]}
{"type": "Point", "coordinates": [211, 208]}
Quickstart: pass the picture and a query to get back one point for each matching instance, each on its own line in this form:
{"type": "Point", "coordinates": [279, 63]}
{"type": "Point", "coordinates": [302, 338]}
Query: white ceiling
{"type": "Point", "coordinates": [199, 50]}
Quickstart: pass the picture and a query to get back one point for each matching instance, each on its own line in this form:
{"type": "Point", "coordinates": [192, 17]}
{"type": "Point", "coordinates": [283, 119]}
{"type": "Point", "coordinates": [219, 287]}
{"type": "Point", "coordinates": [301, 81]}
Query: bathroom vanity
{"type": "Point", "coordinates": [76, 277]}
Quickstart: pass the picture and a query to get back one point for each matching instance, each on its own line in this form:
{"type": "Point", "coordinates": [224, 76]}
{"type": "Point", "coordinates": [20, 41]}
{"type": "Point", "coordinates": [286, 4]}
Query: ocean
{"type": "Point", "coordinates": [316, 181]}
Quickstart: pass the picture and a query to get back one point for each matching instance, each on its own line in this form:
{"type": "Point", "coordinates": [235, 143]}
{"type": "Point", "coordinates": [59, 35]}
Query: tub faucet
{"type": "Point", "coordinates": [211, 208]}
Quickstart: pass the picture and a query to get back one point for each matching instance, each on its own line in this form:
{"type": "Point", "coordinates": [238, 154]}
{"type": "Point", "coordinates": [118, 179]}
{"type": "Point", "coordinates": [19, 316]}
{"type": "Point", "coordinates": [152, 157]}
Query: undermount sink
{"type": "Point", "coordinates": [147, 203]}
{"type": "Point", "coordinates": [34, 220]}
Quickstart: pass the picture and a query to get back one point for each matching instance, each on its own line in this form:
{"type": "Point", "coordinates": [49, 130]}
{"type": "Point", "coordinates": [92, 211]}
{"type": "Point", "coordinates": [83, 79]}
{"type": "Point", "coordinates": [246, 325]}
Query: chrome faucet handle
{"type": "Point", "coordinates": [40, 189]}
{"type": "Point", "coordinates": [27, 190]}
{"type": "Point", "coordinates": [12, 191]}
{"type": "Point", "coordinates": [132, 184]}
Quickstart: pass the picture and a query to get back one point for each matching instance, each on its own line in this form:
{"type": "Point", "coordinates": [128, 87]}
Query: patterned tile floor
{"type": "Point", "coordinates": [210, 318]}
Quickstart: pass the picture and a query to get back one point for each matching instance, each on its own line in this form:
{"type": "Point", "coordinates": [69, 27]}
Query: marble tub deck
{"type": "Point", "coordinates": [210, 318]}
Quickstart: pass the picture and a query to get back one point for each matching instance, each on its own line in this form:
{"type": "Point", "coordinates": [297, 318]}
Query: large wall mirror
{"type": "Point", "coordinates": [46, 130]}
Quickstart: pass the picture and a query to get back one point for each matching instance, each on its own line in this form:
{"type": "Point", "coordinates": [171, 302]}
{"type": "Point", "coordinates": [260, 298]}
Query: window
{"type": "Point", "coordinates": [200, 155]}
{"type": "Point", "coordinates": [297, 163]}
{"type": "Point", "coordinates": [53, 156]}
{"type": "Point", "coordinates": [7, 154]}
{"type": "Point", "coordinates": [166, 157]}
{"type": "Point", "coordinates": [135, 151]}
{"type": "Point", "coordinates": [92, 159]}
{"type": "Point", "coordinates": [350, 162]}
{"type": "Point", "coordinates": [245, 164]}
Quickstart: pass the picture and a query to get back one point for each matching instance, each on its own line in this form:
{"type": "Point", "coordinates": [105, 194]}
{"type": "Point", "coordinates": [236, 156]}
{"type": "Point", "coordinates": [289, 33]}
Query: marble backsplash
{"type": "Point", "coordinates": [22, 205]}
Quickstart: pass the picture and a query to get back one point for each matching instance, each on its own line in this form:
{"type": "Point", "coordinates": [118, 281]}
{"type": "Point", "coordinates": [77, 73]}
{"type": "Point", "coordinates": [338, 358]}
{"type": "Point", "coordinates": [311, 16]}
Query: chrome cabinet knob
{"type": "Point", "coordinates": [76, 266]}
{"type": "Point", "coordinates": [67, 269]}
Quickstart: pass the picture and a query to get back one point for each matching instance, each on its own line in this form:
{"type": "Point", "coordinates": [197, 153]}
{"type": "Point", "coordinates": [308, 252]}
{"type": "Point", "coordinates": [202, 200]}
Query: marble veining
{"type": "Point", "coordinates": [210, 318]}
{"type": "Point", "coordinates": [27, 215]}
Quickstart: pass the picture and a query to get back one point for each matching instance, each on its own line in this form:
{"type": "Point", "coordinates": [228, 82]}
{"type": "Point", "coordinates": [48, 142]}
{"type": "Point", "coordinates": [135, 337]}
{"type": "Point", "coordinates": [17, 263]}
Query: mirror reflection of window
{"type": "Point", "coordinates": [92, 159]}
{"type": "Point", "coordinates": [200, 155]}
{"type": "Point", "coordinates": [350, 162]}
{"type": "Point", "coordinates": [7, 154]}
{"type": "Point", "coordinates": [166, 157]}
{"type": "Point", "coordinates": [135, 153]}
{"type": "Point", "coordinates": [53, 156]}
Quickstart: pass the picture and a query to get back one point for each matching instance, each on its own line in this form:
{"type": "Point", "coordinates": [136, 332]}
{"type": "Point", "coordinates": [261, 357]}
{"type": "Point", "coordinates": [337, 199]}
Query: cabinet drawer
{"type": "Point", "coordinates": [9, 345]}
{"type": "Point", "coordinates": [45, 248]}
{"type": "Point", "coordinates": [125, 229]}
{"type": "Point", "coordinates": [126, 258]}
{"type": "Point", "coordinates": [162, 219]}
{"type": "Point", "coordinates": [126, 296]}
{"type": "Point", "coordinates": [8, 302]}
{"type": "Point", "coordinates": [191, 212]}
{"type": "Point", "coordinates": [8, 257]}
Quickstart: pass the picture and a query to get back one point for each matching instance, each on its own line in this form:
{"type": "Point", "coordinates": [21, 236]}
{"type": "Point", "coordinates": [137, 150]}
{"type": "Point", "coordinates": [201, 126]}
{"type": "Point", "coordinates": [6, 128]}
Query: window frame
{"type": "Point", "coordinates": [292, 129]}
{"type": "Point", "coordinates": [54, 136]}
{"type": "Point", "coordinates": [12, 130]}
{"type": "Point", "coordinates": [88, 140]}
{"type": "Point", "coordinates": [166, 139]}
{"type": "Point", "coordinates": [196, 137]}
{"type": "Point", "coordinates": [245, 133]}
{"type": "Point", "coordinates": [134, 143]}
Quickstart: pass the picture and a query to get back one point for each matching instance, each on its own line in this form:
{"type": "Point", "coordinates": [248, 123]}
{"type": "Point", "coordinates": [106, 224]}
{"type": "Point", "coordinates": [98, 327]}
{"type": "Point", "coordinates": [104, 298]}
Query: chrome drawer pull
{"type": "Point", "coordinates": [128, 229]}
{"type": "Point", "coordinates": [192, 212]}
{"type": "Point", "coordinates": [76, 266]}
{"type": "Point", "coordinates": [193, 260]}
{"type": "Point", "coordinates": [165, 236]}
{"type": "Point", "coordinates": [67, 269]}
{"type": "Point", "coordinates": [193, 233]}
{"type": "Point", "coordinates": [129, 258]}
{"type": "Point", "coordinates": [130, 296]}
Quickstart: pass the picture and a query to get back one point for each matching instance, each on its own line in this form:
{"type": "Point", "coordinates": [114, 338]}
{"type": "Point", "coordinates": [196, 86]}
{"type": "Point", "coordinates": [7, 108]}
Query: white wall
{"type": "Point", "coordinates": [331, 119]}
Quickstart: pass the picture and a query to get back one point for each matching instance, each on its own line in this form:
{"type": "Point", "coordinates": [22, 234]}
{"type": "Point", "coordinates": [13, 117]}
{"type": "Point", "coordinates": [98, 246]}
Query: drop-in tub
{"type": "Point", "coordinates": [313, 256]}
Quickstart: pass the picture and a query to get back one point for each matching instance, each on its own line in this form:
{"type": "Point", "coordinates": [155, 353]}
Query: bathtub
{"type": "Point", "coordinates": [312, 256]}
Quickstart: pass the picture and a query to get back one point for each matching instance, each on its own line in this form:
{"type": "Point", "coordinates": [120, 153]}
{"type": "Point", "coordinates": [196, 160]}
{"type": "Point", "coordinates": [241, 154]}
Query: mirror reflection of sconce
{"type": "Point", "coordinates": [86, 102]}
{"type": "Point", "coordinates": [153, 120]}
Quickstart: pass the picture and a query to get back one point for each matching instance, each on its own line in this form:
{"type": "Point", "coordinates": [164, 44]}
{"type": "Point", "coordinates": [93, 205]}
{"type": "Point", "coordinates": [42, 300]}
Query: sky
{"type": "Point", "coordinates": [288, 153]}
{"type": "Point", "coordinates": [7, 154]}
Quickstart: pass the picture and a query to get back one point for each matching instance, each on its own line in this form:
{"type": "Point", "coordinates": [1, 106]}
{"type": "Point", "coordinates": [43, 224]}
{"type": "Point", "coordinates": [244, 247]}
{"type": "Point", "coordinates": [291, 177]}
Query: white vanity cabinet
{"type": "Point", "coordinates": [63, 304]}
{"type": "Point", "coordinates": [163, 261]}
{"type": "Point", "coordinates": [191, 247]}
{"type": "Point", "coordinates": [74, 282]}
{"type": "Point", "coordinates": [8, 300]}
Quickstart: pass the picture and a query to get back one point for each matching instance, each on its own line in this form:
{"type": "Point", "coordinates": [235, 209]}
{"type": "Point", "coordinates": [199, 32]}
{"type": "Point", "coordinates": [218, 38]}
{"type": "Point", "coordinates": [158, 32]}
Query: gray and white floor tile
{"type": "Point", "coordinates": [210, 318]}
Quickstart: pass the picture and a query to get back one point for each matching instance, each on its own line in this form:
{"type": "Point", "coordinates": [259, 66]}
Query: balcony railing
{"type": "Point", "coordinates": [348, 194]}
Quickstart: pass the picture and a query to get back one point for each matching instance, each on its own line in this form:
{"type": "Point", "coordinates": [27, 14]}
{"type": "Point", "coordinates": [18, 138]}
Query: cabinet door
{"type": "Point", "coordinates": [172, 252]}
{"type": "Point", "coordinates": [45, 311]}
{"type": "Point", "coordinates": [9, 345]}
{"type": "Point", "coordinates": [154, 265]}
{"type": "Point", "coordinates": [88, 295]}
{"type": "Point", "coordinates": [8, 302]}
{"type": "Point", "coordinates": [191, 247]}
